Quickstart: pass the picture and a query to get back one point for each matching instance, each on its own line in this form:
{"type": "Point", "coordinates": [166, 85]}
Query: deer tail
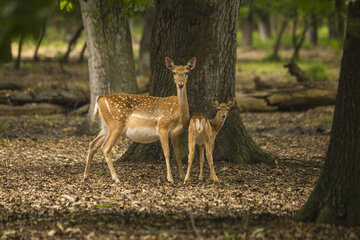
{"type": "Point", "coordinates": [96, 108]}
{"type": "Point", "coordinates": [200, 125]}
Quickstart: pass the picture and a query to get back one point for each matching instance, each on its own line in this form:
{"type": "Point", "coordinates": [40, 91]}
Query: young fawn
{"type": "Point", "coordinates": [203, 131]}
{"type": "Point", "coordinates": [143, 119]}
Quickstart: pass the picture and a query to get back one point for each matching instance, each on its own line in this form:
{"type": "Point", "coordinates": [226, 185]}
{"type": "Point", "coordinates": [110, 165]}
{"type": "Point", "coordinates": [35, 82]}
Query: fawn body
{"type": "Point", "coordinates": [143, 119]}
{"type": "Point", "coordinates": [202, 132]}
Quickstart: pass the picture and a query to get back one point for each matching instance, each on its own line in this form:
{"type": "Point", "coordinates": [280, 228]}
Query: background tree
{"type": "Point", "coordinates": [21, 19]}
{"type": "Point", "coordinates": [145, 43]}
{"type": "Point", "coordinates": [247, 26]}
{"type": "Point", "coordinates": [110, 54]}
{"type": "Point", "coordinates": [335, 198]}
{"type": "Point", "coordinates": [205, 30]}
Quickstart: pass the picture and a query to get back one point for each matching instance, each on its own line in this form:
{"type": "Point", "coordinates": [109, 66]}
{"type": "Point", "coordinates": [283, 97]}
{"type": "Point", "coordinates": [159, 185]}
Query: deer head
{"type": "Point", "coordinates": [222, 108]}
{"type": "Point", "coordinates": [180, 72]}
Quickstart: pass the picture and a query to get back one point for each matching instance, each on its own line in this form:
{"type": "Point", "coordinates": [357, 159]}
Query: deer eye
{"type": "Point", "coordinates": [174, 73]}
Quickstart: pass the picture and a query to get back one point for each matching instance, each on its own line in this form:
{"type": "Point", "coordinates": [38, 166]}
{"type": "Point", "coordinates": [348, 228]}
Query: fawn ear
{"type": "Point", "coordinates": [215, 103]}
{"type": "Point", "coordinates": [191, 64]}
{"type": "Point", "coordinates": [231, 102]}
{"type": "Point", "coordinates": [169, 63]}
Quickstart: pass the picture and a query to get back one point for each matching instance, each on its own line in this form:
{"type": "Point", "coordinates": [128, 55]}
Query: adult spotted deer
{"type": "Point", "coordinates": [203, 131]}
{"type": "Point", "coordinates": [143, 119]}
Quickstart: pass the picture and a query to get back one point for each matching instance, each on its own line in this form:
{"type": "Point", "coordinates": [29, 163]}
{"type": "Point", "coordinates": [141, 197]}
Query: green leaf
{"type": "Point", "coordinates": [67, 5]}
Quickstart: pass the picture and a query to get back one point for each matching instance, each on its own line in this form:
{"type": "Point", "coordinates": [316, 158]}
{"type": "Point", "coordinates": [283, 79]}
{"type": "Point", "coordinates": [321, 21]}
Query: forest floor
{"type": "Point", "coordinates": [42, 160]}
{"type": "Point", "coordinates": [42, 195]}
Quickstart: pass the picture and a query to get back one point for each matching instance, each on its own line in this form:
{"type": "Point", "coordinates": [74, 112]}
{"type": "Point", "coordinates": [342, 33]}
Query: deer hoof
{"type": "Point", "coordinates": [116, 179]}
{"type": "Point", "coordinates": [170, 179]}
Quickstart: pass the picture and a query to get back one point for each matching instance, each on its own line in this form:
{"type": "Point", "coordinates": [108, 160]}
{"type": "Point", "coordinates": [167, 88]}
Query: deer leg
{"type": "Point", "coordinates": [164, 139]}
{"type": "Point", "coordinates": [176, 145]}
{"type": "Point", "coordinates": [209, 149]}
{"type": "Point", "coordinates": [190, 156]}
{"type": "Point", "coordinates": [106, 148]}
{"type": "Point", "coordinates": [93, 147]}
{"type": "Point", "coordinates": [201, 153]}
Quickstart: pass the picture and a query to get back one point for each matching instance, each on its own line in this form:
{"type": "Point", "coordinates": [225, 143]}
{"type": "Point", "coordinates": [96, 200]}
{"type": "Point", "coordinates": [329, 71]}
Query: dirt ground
{"type": "Point", "coordinates": [42, 194]}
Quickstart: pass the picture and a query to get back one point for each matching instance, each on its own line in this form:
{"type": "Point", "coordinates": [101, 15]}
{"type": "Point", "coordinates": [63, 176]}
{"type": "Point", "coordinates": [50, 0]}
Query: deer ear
{"type": "Point", "coordinates": [215, 103]}
{"type": "Point", "coordinates": [169, 63]}
{"type": "Point", "coordinates": [191, 64]}
{"type": "Point", "coordinates": [231, 102]}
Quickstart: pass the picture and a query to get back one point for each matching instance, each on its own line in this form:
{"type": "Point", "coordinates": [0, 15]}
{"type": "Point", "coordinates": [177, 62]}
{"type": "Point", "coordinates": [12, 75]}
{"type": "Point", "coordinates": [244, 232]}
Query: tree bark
{"type": "Point", "coordinates": [36, 57]}
{"type": "Point", "coordinates": [335, 198]}
{"type": "Point", "coordinates": [264, 28]}
{"type": "Point", "coordinates": [205, 30]}
{"type": "Point", "coordinates": [71, 44]}
{"type": "Point", "coordinates": [145, 43]}
{"type": "Point", "coordinates": [111, 60]}
{"type": "Point", "coordinates": [18, 58]}
{"type": "Point", "coordinates": [247, 25]}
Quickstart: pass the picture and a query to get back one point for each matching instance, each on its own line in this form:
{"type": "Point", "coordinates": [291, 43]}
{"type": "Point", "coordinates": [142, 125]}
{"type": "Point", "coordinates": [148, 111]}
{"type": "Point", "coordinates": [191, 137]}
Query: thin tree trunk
{"type": "Point", "coordinates": [145, 43]}
{"type": "Point", "coordinates": [81, 57]}
{"type": "Point", "coordinates": [247, 30]}
{"type": "Point", "coordinates": [5, 50]}
{"type": "Point", "coordinates": [340, 14]}
{"type": "Point", "coordinates": [275, 54]}
{"type": "Point", "coordinates": [43, 30]}
{"type": "Point", "coordinates": [264, 27]}
{"type": "Point", "coordinates": [336, 196]}
{"type": "Point", "coordinates": [311, 34]}
{"type": "Point", "coordinates": [298, 40]}
{"type": "Point", "coordinates": [72, 43]}
{"type": "Point", "coordinates": [205, 30]}
{"type": "Point", "coordinates": [18, 59]}
{"type": "Point", "coordinates": [110, 54]}
{"type": "Point", "coordinates": [332, 27]}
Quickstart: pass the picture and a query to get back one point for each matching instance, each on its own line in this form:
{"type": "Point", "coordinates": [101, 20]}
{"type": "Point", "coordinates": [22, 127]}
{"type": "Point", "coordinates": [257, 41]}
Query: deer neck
{"type": "Point", "coordinates": [217, 123]}
{"type": "Point", "coordinates": [183, 104]}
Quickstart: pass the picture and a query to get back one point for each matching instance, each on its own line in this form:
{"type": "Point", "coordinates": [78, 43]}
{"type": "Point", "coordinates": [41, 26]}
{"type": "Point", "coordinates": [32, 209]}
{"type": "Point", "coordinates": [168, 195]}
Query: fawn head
{"type": "Point", "coordinates": [222, 108]}
{"type": "Point", "coordinates": [180, 72]}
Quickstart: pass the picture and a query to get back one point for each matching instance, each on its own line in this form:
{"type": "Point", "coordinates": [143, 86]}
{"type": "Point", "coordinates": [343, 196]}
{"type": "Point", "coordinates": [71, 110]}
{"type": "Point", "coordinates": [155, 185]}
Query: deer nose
{"type": "Point", "coordinates": [223, 116]}
{"type": "Point", "coordinates": [181, 85]}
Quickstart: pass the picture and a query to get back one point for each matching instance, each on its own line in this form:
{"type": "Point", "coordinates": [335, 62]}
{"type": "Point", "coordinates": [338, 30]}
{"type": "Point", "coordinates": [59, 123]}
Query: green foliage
{"type": "Point", "coordinates": [67, 5]}
{"type": "Point", "coordinates": [317, 71]}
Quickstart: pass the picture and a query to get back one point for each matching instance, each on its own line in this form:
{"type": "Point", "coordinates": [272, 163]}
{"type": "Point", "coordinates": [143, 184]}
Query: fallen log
{"type": "Point", "coordinates": [285, 99]}
{"type": "Point", "coordinates": [69, 98]}
{"type": "Point", "coordinates": [31, 109]}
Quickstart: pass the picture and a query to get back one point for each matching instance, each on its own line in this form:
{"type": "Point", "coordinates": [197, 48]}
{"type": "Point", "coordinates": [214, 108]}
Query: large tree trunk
{"type": "Point", "coordinates": [264, 26]}
{"type": "Point", "coordinates": [110, 55]}
{"type": "Point", "coordinates": [205, 30]}
{"type": "Point", "coordinates": [5, 50]}
{"type": "Point", "coordinates": [335, 198]}
{"type": "Point", "coordinates": [247, 27]}
{"type": "Point", "coordinates": [145, 43]}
